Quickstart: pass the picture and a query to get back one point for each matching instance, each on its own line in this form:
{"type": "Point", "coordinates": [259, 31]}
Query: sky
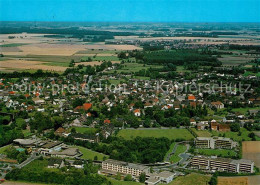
{"type": "Point", "coordinates": [131, 10]}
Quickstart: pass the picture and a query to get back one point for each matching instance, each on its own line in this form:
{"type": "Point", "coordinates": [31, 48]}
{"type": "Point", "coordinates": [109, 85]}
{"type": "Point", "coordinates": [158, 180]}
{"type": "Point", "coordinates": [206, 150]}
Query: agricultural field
{"type": "Point", "coordinates": [89, 154]}
{"type": "Point", "coordinates": [201, 133]}
{"type": "Point", "coordinates": [251, 151]}
{"type": "Point", "coordinates": [234, 135]}
{"type": "Point", "coordinates": [175, 157]}
{"type": "Point", "coordinates": [190, 179]}
{"type": "Point", "coordinates": [133, 67]}
{"type": "Point", "coordinates": [217, 152]}
{"type": "Point", "coordinates": [233, 181]}
{"type": "Point", "coordinates": [231, 60]}
{"type": "Point", "coordinates": [157, 133]}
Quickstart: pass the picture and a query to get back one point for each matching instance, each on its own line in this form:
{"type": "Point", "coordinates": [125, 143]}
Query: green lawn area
{"type": "Point", "coordinates": [37, 165]}
{"type": "Point", "coordinates": [181, 69]}
{"type": "Point", "coordinates": [26, 133]}
{"type": "Point", "coordinates": [142, 77]}
{"type": "Point", "coordinates": [191, 179]}
{"type": "Point", "coordinates": [157, 133]}
{"type": "Point", "coordinates": [2, 149]}
{"type": "Point", "coordinates": [170, 150]}
{"type": "Point", "coordinates": [243, 110]}
{"type": "Point", "coordinates": [116, 82]}
{"type": "Point", "coordinates": [89, 154]}
{"type": "Point", "coordinates": [234, 135]}
{"type": "Point", "coordinates": [201, 133]}
{"type": "Point", "coordinates": [217, 152]}
{"type": "Point", "coordinates": [86, 130]}
{"type": "Point", "coordinates": [175, 157]}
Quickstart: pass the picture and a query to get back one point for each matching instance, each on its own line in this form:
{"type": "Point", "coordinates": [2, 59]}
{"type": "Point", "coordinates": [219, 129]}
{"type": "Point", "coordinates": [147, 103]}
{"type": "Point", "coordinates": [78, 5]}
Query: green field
{"type": "Point", "coordinates": [201, 133]}
{"type": "Point", "coordinates": [12, 45]}
{"type": "Point", "coordinates": [244, 110]}
{"type": "Point", "coordinates": [170, 150]}
{"type": "Point", "coordinates": [235, 136]}
{"type": "Point", "coordinates": [89, 154]}
{"type": "Point", "coordinates": [86, 130]}
{"type": "Point", "coordinates": [102, 58]}
{"type": "Point", "coordinates": [217, 152]}
{"type": "Point", "coordinates": [175, 157]}
{"type": "Point", "coordinates": [191, 179]}
{"type": "Point", "coordinates": [134, 67]}
{"type": "Point", "coordinates": [2, 149]}
{"type": "Point", "coordinates": [157, 133]}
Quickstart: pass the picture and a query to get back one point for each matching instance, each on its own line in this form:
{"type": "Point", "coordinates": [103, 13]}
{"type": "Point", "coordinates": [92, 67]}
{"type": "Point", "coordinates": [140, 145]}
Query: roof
{"type": "Point", "coordinates": [51, 144]}
{"type": "Point", "coordinates": [87, 106]}
{"type": "Point", "coordinates": [68, 152]}
{"type": "Point", "coordinates": [107, 121]}
{"type": "Point", "coordinates": [216, 103]}
{"type": "Point", "coordinates": [137, 111]}
{"type": "Point", "coordinates": [191, 97]}
{"type": "Point", "coordinates": [25, 141]}
{"type": "Point", "coordinates": [60, 130]}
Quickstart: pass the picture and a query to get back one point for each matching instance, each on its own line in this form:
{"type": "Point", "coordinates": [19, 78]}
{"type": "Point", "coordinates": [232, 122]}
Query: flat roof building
{"type": "Point", "coordinates": [222, 164]}
{"type": "Point", "coordinates": [215, 142]}
{"type": "Point", "coordinates": [111, 166]}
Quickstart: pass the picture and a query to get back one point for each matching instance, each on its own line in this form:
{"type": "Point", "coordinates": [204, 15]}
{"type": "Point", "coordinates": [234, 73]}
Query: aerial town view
{"type": "Point", "coordinates": [130, 92]}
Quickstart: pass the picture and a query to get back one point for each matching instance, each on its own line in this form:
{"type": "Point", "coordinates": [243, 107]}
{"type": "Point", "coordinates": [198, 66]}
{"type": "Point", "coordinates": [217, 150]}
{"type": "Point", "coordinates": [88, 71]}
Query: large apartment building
{"type": "Point", "coordinates": [111, 166]}
{"type": "Point", "coordinates": [215, 142]}
{"type": "Point", "coordinates": [222, 164]}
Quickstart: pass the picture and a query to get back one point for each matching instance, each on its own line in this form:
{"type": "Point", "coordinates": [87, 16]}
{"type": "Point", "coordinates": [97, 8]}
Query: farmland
{"type": "Point", "coordinates": [191, 179]}
{"type": "Point", "coordinates": [232, 180]}
{"type": "Point", "coordinates": [251, 151]}
{"type": "Point", "coordinates": [171, 134]}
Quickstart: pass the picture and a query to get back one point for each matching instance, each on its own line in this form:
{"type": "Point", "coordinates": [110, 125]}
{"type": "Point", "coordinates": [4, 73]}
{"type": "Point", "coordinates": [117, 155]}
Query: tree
{"type": "Point", "coordinates": [142, 177]}
{"type": "Point", "coordinates": [235, 127]}
{"type": "Point", "coordinates": [128, 178]}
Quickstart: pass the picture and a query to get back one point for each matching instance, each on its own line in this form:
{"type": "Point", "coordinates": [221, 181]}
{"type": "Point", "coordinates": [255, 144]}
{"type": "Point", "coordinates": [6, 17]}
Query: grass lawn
{"type": "Point", "coordinates": [170, 150]}
{"type": "Point", "coordinates": [175, 157]}
{"type": "Point", "coordinates": [157, 133]}
{"type": "Point", "coordinates": [37, 165]}
{"type": "Point", "coordinates": [141, 77]}
{"type": "Point", "coordinates": [89, 154]}
{"type": "Point", "coordinates": [235, 136]}
{"type": "Point", "coordinates": [26, 133]}
{"type": "Point", "coordinates": [244, 110]}
{"type": "Point", "coordinates": [86, 130]}
{"type": "Point", "coordinates": [190, 179]}
{"type": "Point", "coordinates": [116, 82]}
{"type": "Point", "coordinates": [217, 152]}
{"type": "Point", "coordinates": [2, 149]}
{"type": "Point", "coordinates": [201, 133]}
